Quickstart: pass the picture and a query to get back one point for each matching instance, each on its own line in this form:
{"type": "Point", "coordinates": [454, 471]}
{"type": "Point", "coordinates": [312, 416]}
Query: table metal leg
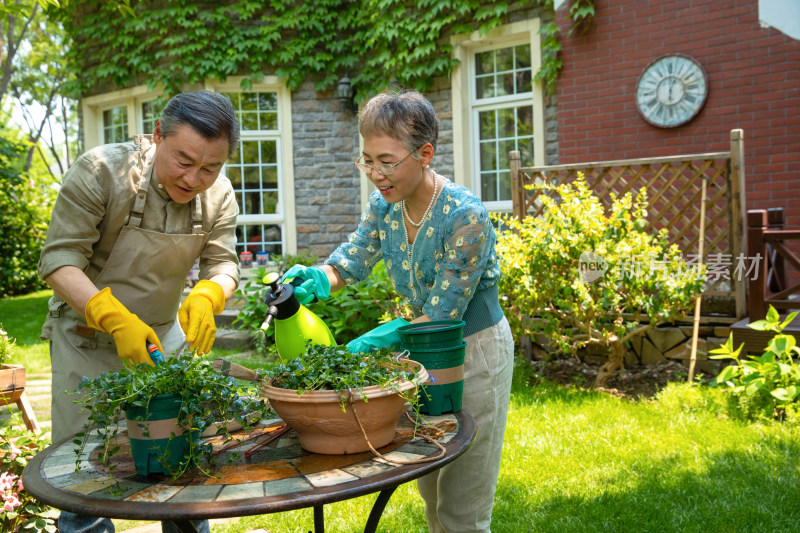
{"type": "Point", "coordinates": [377, 510]}
{"type": "Point", "coordinates": [319, 520]}
{"type": "Point", "coordinates": [185, 526]}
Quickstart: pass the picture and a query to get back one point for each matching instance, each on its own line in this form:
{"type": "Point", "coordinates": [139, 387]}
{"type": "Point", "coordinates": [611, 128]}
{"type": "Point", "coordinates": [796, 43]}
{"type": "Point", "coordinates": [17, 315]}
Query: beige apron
{"type": "Point", "coordinates": [146, 271]}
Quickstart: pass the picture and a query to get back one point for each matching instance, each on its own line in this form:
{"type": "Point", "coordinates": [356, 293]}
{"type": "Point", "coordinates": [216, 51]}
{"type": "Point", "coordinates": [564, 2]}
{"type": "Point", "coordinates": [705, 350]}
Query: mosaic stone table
{"type": "Point", "coordinates": [280, 476]}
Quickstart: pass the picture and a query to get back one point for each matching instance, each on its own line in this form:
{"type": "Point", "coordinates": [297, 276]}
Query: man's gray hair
{"type": "Point", "coordinates": [210, 114]}
{"type": "Point", "coordinates": [406, 116]}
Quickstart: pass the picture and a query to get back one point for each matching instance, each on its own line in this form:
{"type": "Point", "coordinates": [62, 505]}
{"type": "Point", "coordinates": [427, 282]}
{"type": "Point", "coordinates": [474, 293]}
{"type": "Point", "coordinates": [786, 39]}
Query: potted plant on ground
{"type": "Point", "coordinates": [12, 377]}
{"type": "Point", "coordinates": [339, 402]}
{"type": "Point", "coordinates": [198, 399]}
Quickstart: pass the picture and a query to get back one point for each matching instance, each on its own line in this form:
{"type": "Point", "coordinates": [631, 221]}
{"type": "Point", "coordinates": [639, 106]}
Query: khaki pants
{"type": "Point", "coordinates": [459, 497]}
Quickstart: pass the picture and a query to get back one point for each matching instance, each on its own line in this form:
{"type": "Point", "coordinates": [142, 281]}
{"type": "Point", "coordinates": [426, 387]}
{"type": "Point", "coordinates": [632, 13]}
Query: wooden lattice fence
{"type": "Point", "coordinates": [674, 188]}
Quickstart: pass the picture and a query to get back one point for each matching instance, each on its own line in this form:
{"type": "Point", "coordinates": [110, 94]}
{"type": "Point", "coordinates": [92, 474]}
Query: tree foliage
{"type": "Point", "coordinates": [26, 200]}
{"type": "Point", "coordinates": [185, 42]}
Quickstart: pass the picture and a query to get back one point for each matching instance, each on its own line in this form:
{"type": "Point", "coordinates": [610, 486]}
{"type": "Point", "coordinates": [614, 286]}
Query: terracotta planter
{"type": "Point", "coordinates": [321, 425]}
{"type": "Point", "coordinates": [12, 383]}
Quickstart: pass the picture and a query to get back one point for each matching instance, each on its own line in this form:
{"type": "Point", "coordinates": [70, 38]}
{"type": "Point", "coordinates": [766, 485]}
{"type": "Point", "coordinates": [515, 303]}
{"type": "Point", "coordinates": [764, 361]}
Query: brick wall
{"type": "Point", "coordinates": [754, 81]}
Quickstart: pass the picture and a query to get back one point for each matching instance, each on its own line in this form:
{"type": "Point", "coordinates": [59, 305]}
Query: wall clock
{"type": "Point", "coordinates": [671, 90]}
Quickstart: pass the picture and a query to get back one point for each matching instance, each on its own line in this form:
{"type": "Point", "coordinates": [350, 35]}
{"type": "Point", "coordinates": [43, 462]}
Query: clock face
{"type": "Point", "coordinates": [671, 91]}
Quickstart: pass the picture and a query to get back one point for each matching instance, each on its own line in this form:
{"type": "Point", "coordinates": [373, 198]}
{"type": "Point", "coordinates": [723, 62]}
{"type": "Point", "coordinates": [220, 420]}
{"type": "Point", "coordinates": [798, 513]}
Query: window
{"type": "Point", "coordinates": [115, 125]}
{"type": "Point", "coordinates": [254, 171]}
{"type": "Point", "coordinates": [504, 115]}
{"type": "Point", "coordinates": [149, 117]}
{"type": "Point", "coordinates": [503, 109]}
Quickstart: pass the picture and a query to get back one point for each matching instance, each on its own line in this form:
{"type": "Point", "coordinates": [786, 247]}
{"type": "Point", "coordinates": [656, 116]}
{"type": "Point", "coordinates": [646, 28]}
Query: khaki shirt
{"type": "Point", "coordinates": [95, 201]}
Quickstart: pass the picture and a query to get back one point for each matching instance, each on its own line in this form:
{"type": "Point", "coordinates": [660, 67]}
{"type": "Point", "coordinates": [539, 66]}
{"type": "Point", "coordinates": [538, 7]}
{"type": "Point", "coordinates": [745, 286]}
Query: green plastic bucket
{"type": "Point", "coordinates": [161, 419]}
{"type": "Point", "coordinates": [432, 335]}
{"type": "Point", "coordinates": [446, 367]}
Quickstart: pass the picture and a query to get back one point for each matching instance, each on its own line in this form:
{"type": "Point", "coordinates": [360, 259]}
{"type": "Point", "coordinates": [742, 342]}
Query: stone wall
{"type": "Point", "coordinates": [658, 345]}
{"type": "Point", "coordinates": [327, 193]}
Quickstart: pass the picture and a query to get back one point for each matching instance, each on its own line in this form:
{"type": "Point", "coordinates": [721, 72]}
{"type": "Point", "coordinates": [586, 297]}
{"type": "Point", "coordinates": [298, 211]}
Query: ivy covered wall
{"type": "Point", "coordinates": [309, 46]}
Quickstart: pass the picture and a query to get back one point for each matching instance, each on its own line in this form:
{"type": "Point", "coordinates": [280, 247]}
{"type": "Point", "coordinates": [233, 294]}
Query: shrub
{"type": "Point", "coordinates": [581, 272]}
{"type": "Point", "coordinates": [766, 385]}
{"type": "Point", "coordinates": [348, 313]}
{"type": "Point", "coordinates": [25, 205]}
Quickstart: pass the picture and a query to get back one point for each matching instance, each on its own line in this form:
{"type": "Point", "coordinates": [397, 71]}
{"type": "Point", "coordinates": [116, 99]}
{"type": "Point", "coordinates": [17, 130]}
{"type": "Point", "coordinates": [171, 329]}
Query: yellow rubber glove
{"type": "Point", "coordinates": [196, 314]}
{"type": "Point", "coordinates": [105, 313]}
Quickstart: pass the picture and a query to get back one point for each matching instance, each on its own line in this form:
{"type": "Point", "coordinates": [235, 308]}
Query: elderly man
{"type": "Point", "coordinates": [130, 221]}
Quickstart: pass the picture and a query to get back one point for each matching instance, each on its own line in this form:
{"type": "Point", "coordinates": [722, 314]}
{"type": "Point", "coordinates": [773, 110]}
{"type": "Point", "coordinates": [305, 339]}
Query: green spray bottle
{"type": "Point", "coordinates": [294, 323]}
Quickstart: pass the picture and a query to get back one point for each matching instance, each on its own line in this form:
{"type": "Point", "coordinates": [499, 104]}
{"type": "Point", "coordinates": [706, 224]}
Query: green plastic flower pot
{"type": "Point", "coordinates": [150, 430]}
{"type": "Point", "coordinates": [446, 367]}
{"type": "Point", "coordinates": [432, 335]}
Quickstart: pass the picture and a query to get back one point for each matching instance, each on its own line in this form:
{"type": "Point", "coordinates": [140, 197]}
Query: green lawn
{"type": "Point", "coordinates": [583, 461]}
{"type": "Point", "coordinates": [22, 318]}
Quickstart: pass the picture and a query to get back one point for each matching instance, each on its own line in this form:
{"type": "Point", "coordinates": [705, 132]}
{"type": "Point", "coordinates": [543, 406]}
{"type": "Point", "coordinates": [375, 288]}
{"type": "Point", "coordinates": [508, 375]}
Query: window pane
{"type": "Point", "coordinates": [522, 56]}
{"type": "Point", "coordinates": [267, 101]}
{"type": "Point", "coordinates": [252, 180]}
{"type": "Point", "coordinates": [506, 122]}
{"type": "Point", "coordinates": [250, 152]}
{"type": "Point", "coordinates": [488, 129]}
{"type": "Point", "coordinates": [249, 101]}
{"type": "Point", "coordinates": [234, 173]}
{"type": "Point", "coordinates": [488, 187]}
{"type": "Point", "coordinates": [269, 202]}
{"type": "Point", "coordinates": [259, 238]}
{"type": "Point", "coordinates": [505, 59]}
{"type": "Point", "coordinates": [115, 124]}
{"type": "Point", "coordinates": [524, 121]}
{"type": "Point", "coordinates": [485, 87]}
{"type": "Point", "coordinates": [252, 203]}
{"type": "Point", "coordinates": [504, 181]}
{"type": "Point", "coordinates": [149, 117]}
{"type": "Point", "coordinates": [269, 121]}
{"type": "Point", "coordinates": [488, 155]}
{"type": "Point", "coordinates": [484, 62]}
{"type": "Point", "coordinates": [269, 153]}
{"type": "Point", "coordinates": [249, 121]}
{"type": "Point", "coordinates": [269, 177]}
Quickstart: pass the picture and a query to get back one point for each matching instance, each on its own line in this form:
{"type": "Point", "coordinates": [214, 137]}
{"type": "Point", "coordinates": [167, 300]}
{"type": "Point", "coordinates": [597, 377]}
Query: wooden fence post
{"type": "Point", "coordinates": [756, 224]}
{"type": "Point", "coordinates": [517, 193]}
{"type": "Point", "coordinates": [738, 225]}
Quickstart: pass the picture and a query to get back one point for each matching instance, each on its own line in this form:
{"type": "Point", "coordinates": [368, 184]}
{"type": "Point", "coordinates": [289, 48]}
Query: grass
{"type": "Point", "coordinates": [578, 460]}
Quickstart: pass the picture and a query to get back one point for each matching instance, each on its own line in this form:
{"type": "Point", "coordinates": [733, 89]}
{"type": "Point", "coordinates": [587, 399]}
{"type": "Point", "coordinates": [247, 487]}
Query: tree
{"type": "Point", "coordinates": [40, 74]}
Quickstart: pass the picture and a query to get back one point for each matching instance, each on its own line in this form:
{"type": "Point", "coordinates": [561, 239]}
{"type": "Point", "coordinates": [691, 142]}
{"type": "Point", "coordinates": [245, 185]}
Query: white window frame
{"type": "Point", "coordinates": [133, 98]}
{"type": "Point", "coordinates": [286, 216]}
{"type": "Point", "coordinates": [93, 107]}
{"type": "Point", "coordinates": [465, 128]}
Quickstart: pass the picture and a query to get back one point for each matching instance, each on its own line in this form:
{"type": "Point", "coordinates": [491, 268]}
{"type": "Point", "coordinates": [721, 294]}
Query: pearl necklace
{"type": "Point", "coordinates": [428, 210]}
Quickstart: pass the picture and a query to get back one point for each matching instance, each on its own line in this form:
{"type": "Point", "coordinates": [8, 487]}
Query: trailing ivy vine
{"type": "Point", "coordinates": [182, 42]}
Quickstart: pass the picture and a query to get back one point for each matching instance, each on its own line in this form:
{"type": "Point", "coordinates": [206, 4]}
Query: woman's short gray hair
{"type": "Point", "coordinates": [406, 116]}
{"type": "Point", "coordinates": [210, 114]}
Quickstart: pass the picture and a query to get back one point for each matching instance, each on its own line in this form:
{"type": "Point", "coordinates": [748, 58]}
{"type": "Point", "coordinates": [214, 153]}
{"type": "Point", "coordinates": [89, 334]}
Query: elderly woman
{"type": "Point", "coordinates": [438, 245]}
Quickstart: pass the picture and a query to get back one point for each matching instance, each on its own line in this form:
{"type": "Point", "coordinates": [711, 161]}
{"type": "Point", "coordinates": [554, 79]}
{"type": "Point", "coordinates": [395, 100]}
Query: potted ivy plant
{"type": "Point", "coordinates": [188, 396]}
{"type": "Point", "coordinates": [341, 402]}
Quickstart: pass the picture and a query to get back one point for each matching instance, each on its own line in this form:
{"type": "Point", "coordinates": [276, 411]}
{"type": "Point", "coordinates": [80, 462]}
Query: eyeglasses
{"type": "Point", "coordinates": [387, 169]}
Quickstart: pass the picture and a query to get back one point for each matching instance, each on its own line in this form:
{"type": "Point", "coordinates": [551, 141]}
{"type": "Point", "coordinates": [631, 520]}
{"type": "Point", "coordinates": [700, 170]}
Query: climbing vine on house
{"type": "Point", "coordinates": [185, 42]}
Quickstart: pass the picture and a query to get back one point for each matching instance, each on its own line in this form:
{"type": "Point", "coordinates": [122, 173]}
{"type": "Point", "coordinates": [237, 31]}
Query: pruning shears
{"type": "Point", "coordinates": [155, 353]}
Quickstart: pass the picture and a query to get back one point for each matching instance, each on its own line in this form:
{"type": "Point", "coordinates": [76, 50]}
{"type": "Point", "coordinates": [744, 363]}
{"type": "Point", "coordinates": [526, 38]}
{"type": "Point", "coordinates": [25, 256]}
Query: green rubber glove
{"type": "Point", "coordinates": [384, 336]}
{"type": "Point", "coordinates": [310, 283]}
